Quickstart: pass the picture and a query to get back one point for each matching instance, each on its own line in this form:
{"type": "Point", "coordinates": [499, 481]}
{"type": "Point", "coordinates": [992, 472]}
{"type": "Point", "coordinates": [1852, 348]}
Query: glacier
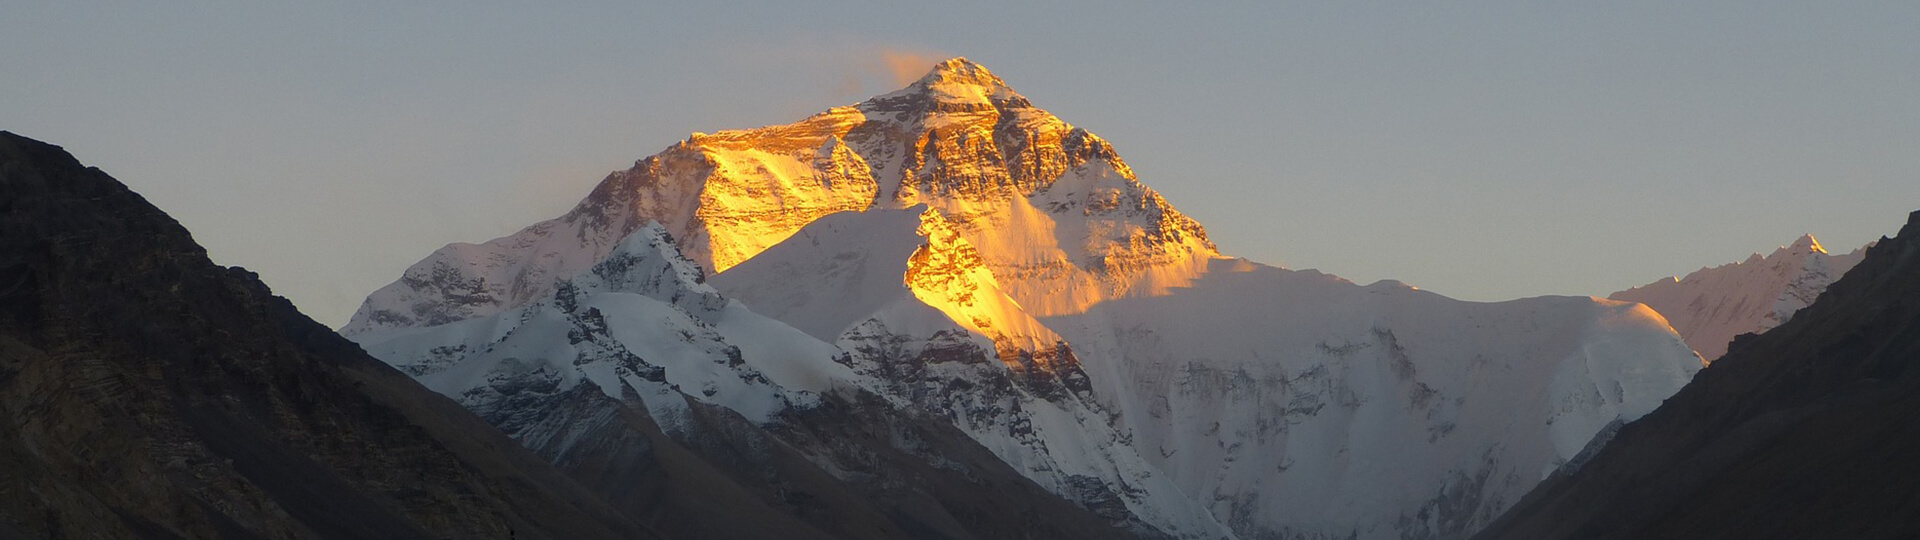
{"type": "Point", "coordinates": [965, 255]}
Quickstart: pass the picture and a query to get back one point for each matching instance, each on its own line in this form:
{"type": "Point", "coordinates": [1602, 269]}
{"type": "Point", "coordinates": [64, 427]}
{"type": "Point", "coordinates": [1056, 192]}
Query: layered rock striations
{"type": "Point", "coordinates": [958, 140]}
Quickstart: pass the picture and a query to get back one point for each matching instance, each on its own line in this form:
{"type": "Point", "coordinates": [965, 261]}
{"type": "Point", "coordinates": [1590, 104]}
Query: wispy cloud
{"type": "Point", "coordinates": [819, 71]}
{"type": "Point", "coordinates": [906, 66]}
{"type": "Point", "coordinates": [848, 68]}
{"type": "Point", "coordinates": [881, 69]}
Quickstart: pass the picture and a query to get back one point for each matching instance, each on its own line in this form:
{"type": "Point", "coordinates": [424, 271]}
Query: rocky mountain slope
{"type": "Point", "coordinates": [1712, 305]}
{"type": "Point", "coordinates": [149, 393]}
{"type": "Point", "coordinates": [1805, 431]}
{"type": "Point", "coordinates": [958, 140]}
{"type": "Point", "coordinates": [640, 344]}
{"type": "Point", "coordinates": [973, 259]}
{"type": "Point", "coordinates": [1279, 419]}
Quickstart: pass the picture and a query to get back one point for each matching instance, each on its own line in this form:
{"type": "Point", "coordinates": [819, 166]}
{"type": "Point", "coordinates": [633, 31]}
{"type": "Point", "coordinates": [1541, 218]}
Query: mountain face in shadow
{"type": "Point", "coordinates": [600, 378]}
{"type": "Point", "coordinates": [1806, 431]}
{"type": "Point", "coordinates": [153, 394]}
{"type": "Point", "coordinates": [963, 256]}
{"type": "Point", "coordinates": [149, 393]}
{"type": "Point", "coordinates": [1712, 305]}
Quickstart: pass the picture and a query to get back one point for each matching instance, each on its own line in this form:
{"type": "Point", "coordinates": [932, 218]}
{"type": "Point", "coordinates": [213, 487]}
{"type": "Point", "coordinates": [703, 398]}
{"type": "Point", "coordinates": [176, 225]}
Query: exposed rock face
{"type": "Point", "coordinates": [1712, 305]}
{"type": "Point", "coordinates": [151, 394]}
{"type": "Point", "coordinates": [1006, 272]}
{"type": "Point", "coordinates": [637, 369]}
{"type": "Point", "coordinates": [1805, 431]}
{"type": "Point", "coordinates": [958, 140]}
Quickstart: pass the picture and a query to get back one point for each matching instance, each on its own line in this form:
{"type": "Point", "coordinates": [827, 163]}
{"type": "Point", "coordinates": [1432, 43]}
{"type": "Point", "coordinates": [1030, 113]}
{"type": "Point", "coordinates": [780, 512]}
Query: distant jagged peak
{"type": "Point", "coordinates": [1801, 248]}
{"type": "Point", "coordinates": [1710, 306]}
{"type": "Point", "coordinates": [1804, 245]}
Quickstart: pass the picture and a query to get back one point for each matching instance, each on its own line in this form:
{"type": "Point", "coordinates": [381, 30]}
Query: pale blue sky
{"type": "Point", "coordinates": [1485, 151]}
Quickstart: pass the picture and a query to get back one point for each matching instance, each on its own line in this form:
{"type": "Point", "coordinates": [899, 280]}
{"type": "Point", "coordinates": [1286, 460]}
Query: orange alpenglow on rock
{"type": "Point", "coordinates": [1052, 209]}
{"type": "Point", "coordinates": [965, 255]}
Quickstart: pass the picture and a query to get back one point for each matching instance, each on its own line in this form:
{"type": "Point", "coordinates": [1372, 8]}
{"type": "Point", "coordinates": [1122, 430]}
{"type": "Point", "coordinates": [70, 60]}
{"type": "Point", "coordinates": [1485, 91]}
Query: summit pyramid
{"type": "Point", "coordinates": [952, 253]}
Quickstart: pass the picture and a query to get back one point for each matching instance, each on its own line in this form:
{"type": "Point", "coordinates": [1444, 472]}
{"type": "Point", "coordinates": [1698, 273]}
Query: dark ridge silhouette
{"type": "Point", "coordinates": [149, 393]}
{"type": "Point", "coordinates": [1810, 430]}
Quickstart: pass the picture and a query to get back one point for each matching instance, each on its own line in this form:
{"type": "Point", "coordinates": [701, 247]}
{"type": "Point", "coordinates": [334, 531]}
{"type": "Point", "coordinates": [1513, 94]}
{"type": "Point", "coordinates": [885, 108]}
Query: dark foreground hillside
{"type": "Point", "coordinates": [1811, 430]}
{"type": "Point", "coordinates": [149, 393]}
{"type": "Point", "coordinates": [152, 394]}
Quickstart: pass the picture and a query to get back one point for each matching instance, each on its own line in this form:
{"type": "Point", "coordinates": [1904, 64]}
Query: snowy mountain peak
{"type": "Point", "coordinates": [648, 264]}
{"type": "Point", "coordinates": [1712, 305]}
{"type": "Point", "coordinates": [959, 70]}
{"type": "Point", "coordinates": [958, 81]}
{"type": "Point", "coordinates": [649, 256]}
{"type": "Point", "coordinates": [1034, 194]}
{"type": "Point", "coordinates": [952, 86]}
{"type": "Point", "coordinates": [1803, 245]}
{"type": "Point", "coordinates": [959, 251]}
